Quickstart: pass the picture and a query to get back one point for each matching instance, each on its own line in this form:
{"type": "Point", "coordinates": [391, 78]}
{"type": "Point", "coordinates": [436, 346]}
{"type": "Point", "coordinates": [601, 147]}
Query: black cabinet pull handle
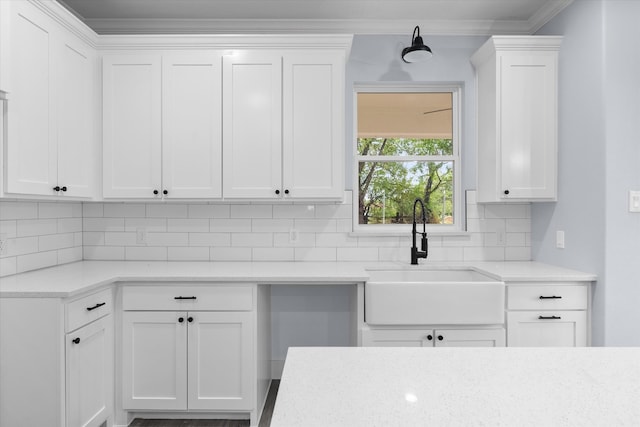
{"type": "Point", "coordinates": [286, 191]}
{"type": "Point", "coordinates": [429, 337]}
{"type": "Point", "coordinates": [185, 297]}
{"type": "Point", "coordinates": [96, 306]}
{"type": "Point", "coordinates": [551, 297]}
{"type": "Point", "coordinates": [165, 192]}
{"type": "Point", "coordinates": [277, 191]}
{"type": "Point", "coordinates": [76, 340]}
{"type": "Point", "coordinates": [506, 192]}
{"type": "Point", "coordinates": [180, 319]}
{"type": "Point", "coordinates": [549, 317]}
{"type": "Point", "coordinates": [56, 188]}
{"type": "Point", "coordinates": [190, 319]}
{"type": "Point", "coordinates": [155, 191]}
{"type": "Point", "coordinates": [440, 337]}
{"type": "Point", "coordinates": [64, 188]}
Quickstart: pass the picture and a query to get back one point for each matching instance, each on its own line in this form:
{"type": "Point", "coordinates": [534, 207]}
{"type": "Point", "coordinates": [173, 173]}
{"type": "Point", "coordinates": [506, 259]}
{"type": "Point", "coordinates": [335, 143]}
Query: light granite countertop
{"type": "Point", "coordinates": [374, 386]}
{"type": "Point", "coordinates": [72, 279]}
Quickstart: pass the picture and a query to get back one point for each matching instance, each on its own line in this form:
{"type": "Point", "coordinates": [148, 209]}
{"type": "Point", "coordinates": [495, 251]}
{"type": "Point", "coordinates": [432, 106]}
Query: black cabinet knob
{"type": "Point", "coordinates": [429, 337]}
{"type": "Point", "coordinates": [277, 191]}
{"type": "Point", "coordinates": [286, 191]}
{"type": "Point", "coordinates": [64, 188]}
{"type": "Point", "coordinates": [190, 319]}
{"type": "Point", "coordinates": [165, 192]}
{"type": "Point", "coordinates": [155, 191]}
{"type": "Point", "coordinates": [56, 188]}
{"type": "Point", "coordinates": [440, 337]}
{"type": "Point", "coordinates": [506, 192]}
{"type": "Point", "coordinates": [76, 340]}
{"type": "Point", "coordinates": [180, 319]}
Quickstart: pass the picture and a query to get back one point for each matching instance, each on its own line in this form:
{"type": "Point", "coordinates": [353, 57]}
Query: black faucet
{"type": "Point", "coordinates": [415, 253]}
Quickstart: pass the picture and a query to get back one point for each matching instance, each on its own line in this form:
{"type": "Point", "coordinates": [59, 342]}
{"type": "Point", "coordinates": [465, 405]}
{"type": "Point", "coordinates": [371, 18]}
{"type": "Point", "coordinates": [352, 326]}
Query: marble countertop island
{"type": "Point", "coordinates": [404, 387]}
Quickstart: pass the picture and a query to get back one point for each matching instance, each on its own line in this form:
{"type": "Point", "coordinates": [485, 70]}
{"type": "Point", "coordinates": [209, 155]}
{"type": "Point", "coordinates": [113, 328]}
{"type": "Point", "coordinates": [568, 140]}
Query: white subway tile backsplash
{"type": "Point", "coordinates": [189, 225]}
{"type": "Point", "coordinates": [188, 254]}
{"type": "Point", "coordinates": [48, 233]}
{"type": "Point", "coordinates": [138, 253]}
{"type": "Point", "coordinates": [209, 211]}
{"type": "Point", "coordinates": [131, 210]}
{"type": "Point", "coordinates": [149, 224]}
{"type": "Point", "coordinates": [106, 253]}
{"type": "Point", "coordinates": [103, 224]}
{"type": "Point", "coordinates": [18, 210]}
{"type": "Point", "coordinates": [36, 227]}
{"type": "Point", "coordinates": [315, 254]}
{"type": "Point", "coordinates": [230, 254]}
{"type": "Point", "coordinates": [252, 240]}
{"type": "Point", "coordinates": [229, 225]}
{"type": "Point", "coordinates": [36, 260]}
{"type": "Point", "coordinates": [166, 211]}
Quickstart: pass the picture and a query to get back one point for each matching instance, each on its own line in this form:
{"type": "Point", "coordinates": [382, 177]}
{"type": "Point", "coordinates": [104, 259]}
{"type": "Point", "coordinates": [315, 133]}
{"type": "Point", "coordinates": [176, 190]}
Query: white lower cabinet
{"type": "Point", "coordinates": [494, 337]}
{"type": "Point", "coordinates": [187, 360]}
{"type": "Point", "coordinates": [548, 315]}
{"type": "Point", "coordinates": [188, 348]}
{"type": "Point", "coordinates": [89, 373]}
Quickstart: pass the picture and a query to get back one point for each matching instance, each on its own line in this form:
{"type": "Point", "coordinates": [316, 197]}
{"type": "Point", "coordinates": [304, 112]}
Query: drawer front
{"type": "Point", "coordinates": [547, 329]}
{"type": "Point", "coordinates": [188, 297]}
{"type": "Point", "coordinates": [89, 308]}
{"type": "Point", "coordinates": [547, 297]}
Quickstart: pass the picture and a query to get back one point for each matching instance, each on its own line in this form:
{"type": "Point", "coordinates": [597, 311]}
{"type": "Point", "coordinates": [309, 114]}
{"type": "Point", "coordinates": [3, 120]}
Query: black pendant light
{"type": "Point", "coordinates": [418, 51]}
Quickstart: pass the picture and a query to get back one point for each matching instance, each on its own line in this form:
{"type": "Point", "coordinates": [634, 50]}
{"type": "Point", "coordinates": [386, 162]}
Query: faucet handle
{"type": "Point", "coordinates": [424, 244]}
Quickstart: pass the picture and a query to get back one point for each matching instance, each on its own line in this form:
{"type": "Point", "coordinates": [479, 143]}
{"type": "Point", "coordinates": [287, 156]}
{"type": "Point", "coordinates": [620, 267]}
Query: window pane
{"type": "Point", "coordinates": [419, 115]}
{"type": "Point", "coordinates": [404, 147]}
{"type": "Point", "coordinates": [387, 191]}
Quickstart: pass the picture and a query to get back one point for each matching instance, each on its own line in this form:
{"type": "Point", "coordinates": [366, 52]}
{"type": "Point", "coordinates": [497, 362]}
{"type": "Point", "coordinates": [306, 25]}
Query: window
{"type": "Point", "coordinates": [407, 147]}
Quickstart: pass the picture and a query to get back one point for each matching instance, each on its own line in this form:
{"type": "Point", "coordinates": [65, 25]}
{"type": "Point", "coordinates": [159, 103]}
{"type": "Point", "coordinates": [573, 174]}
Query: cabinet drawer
{"type": "Point", "coordinates": [188, 297]}
{"type": "Point", "coordinates": [547, 297]}
{"type": "Point", "coordinates": [547, 328]}
{"type": "Point", "coordinates": [87, 309]}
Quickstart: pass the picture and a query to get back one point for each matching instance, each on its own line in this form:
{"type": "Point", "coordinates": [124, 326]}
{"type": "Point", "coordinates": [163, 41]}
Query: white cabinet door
{"type": "Point", "coordinates": [192, 125]}
{"type": "Point", "coordinates": [220, 354]}
{"type": "Point", "coordinates": [470, 337]}
{"type": "Point", "coordinates": [547, 329]}
{"type": "Point", "coordinates": [313, 133]}
{"type": "Point", "coordinates": [132, 126]}
{"type": "Point", "coordinates": [75, 111]}
{"type": "Point", "coordinates": [89, 374]}
{"type": "Point", "coordinates": [528, 105]}
{"type": "Point", "coordinates": [252, 127]}
{"type": "Point", "coordinates": [31, 143]}
{"type": "Point", "coordinates": [154, 360]}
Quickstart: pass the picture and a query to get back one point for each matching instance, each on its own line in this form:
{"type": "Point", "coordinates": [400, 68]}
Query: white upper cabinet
{"type": "Point", "coordinates": [252, 99]}
{"type": "Point", "coordinates": [313, 125]}
{"type": "Point", "coordinates": [162, 125]}
{"type": "Point", "coordinates": [283, 125]}
{"type": "Point", "coordinates": [50, 91]}
{"type": "Point", "coordinates": [517, 118]}
{"type": "Point", "coordinates": [191, 125]}
{"type": "Point", "coordinates": [132, 149]}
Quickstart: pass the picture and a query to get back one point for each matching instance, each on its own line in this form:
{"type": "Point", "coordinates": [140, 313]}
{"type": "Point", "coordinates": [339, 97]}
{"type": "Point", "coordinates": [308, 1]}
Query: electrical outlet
{"type": "Point", "coordinates": [560, 239]}
{"type": "Point", "coordinates": [3, 244]}
{"type": "Point", "coordinates": [634, 201]}
{"type": "Point", "coordinates": [501, 237]}
{"type": "Point", "coordinates": [141, 236]}
{"type": "Point", "coordinates": [293, 235]}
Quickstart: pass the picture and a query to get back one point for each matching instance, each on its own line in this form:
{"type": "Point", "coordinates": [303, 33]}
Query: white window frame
{"type": "Point", "coordinates": [458, 226]}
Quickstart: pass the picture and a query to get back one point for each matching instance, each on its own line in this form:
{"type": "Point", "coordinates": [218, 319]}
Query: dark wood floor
{"type": "Point", "coordinates": [265, 420]}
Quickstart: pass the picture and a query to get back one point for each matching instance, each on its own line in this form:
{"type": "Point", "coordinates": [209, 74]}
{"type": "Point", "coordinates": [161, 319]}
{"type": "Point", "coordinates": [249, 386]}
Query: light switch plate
{"type": "Point", "coordinates": [634, 201]}
{"type": "Point", "coordinates": [560, 239]}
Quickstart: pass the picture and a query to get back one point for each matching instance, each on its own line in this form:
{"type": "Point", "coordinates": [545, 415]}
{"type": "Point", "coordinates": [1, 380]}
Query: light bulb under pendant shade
{"type": "Point", "coordinates": [417, 51]}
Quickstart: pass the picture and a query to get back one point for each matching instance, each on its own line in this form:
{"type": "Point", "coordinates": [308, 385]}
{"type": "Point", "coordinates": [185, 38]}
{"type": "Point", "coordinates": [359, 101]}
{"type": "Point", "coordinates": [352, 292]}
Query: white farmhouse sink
{"type": "Point", "coordinates": [433, 297]}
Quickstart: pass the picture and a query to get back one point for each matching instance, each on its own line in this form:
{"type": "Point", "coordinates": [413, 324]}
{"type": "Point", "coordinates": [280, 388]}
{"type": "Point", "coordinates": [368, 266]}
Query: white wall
{"type": "Point", "coordinates": [599, 158]}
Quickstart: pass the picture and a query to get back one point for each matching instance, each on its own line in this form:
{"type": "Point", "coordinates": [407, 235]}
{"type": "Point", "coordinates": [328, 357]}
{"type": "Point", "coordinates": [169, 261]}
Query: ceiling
{"type": "Point", "coordinates": [435, 17]}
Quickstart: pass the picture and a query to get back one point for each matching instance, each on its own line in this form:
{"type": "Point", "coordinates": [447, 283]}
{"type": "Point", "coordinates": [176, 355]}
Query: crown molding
{"type": "Point", "coordinates": [546, 13]}
{"type": "Point", "coordinates": [68, 20]}
{"type": "Point", "coordinates": [307, 26]}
